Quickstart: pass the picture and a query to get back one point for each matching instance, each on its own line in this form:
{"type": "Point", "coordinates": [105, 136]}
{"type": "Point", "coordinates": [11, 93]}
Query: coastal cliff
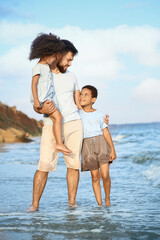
{"type": "Point", "coordinates": [15, 126]}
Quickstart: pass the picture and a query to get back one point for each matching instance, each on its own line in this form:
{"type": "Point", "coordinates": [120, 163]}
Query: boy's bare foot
{"type": "Point", "coordinates": [100, 205]}
{"type": "Point", "coordinates": [32, 209]}
{"type": "Point", "coordinates": [107, 202]}
{"type": "Point", "coordinates": [62, 148]}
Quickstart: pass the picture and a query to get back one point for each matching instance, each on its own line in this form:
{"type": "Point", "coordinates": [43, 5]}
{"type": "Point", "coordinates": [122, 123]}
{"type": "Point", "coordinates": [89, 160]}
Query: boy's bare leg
{"type": "Point", "coordinates": [106, 182]}
{"type": "Point", "coordinates": [57, 130]}
{"type": "Point", "coordinates": [72, 183]}
{"type": "Point", "coordinates": [40, 179]}
{"type": "Point", "coordinates": [96, 185]}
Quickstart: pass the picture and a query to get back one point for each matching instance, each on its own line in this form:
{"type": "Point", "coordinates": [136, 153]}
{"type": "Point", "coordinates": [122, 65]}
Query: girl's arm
{"type": "Point", "coordinates": [108, 138]}
{"type": "Point", "coordinates": [77, 99]}
{"type": "Point", "coordinates": [34, 91]}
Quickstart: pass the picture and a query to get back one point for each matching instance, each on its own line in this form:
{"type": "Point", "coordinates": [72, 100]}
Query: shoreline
{"type": "Point", "coordinates": [2, 147]}
{"type": "Point", "coordinates": [25, 140]}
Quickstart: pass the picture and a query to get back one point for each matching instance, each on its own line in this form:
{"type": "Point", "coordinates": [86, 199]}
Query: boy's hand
{"type": "Point", "coordinates": [79, 107]}
{"type": "Point", "coordinates": [112, 156]}
{"type": "Point", "coordinates": [106, 119]}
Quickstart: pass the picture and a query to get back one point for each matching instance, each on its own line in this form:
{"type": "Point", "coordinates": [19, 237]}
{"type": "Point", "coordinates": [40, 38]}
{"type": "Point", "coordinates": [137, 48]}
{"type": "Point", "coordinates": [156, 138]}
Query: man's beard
{"type": "Point", "coordinates": [61, 68]}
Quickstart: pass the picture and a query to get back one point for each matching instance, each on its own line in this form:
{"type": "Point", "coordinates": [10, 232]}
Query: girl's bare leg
{"type": "Point", "coordinates": [96, 185]}
{"type": "Point", "coordinates": [57, 130]}
{"type": "Point", "coordinates": [104, 168]}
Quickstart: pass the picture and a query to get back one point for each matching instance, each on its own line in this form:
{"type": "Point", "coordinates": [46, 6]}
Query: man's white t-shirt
{"type": "Point", "coordinates": [65, 84]}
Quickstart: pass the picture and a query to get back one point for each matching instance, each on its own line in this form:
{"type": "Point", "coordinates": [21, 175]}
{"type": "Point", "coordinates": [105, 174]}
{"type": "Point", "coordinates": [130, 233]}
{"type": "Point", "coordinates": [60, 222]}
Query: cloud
{"type": "Point", "coordinates": [100, 60]}
{"type": "Point", "coordinates": [14, 64]}
{"type": "Point", "coordinates": [99, 50]}
{"type": "Point", "coordinates": [147, 92]}
{"type": "Point", "coordinates": [18, 33]}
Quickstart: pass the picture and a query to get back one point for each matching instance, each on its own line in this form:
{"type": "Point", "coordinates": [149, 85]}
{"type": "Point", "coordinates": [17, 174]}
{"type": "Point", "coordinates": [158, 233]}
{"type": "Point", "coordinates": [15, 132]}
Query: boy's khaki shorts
{"type": "Point", "coordinates": [95, 152]}
{"type": "Point", "coordinates": [72, 135]}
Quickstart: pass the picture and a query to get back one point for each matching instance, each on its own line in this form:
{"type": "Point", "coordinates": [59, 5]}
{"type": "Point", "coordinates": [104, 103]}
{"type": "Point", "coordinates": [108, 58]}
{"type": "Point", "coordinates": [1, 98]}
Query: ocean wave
{"type": "Point", "coordinates": [12, 214]}
{"type": "Point", "coordinates": [96, 230]}
{"type": "Point", "coordinates": [21, 162]}
{"type": "Point", "coordinates": [118, 138]}
{"type": "Point", "coordinates": [153, 174]}
{"type": "Point", "coordinates": [148, 156]}
{"type": "Point", "coordinates": [142, 159]}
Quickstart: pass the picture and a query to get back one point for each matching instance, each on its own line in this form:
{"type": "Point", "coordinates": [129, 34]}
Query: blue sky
{"type": "Point", "coordinates": [89, 14]}
{"type": "Point", "coordinates": [119, 52]}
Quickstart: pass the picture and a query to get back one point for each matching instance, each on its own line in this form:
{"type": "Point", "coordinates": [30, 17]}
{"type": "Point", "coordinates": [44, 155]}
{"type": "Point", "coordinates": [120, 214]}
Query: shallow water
{"type": "Point", "coordinates": [135, 193]}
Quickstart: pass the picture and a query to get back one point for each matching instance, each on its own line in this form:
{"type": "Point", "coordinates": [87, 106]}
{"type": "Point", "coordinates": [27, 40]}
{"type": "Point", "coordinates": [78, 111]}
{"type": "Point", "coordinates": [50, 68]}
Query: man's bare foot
{"type": "Point", "coordinates": [32, 209]}
{"type": "Point", "coordinates": [62, 148]}
{"type": "Point", "coordinates": [107, 202]}
{"type": "Point", "coordinates": [73, 205]}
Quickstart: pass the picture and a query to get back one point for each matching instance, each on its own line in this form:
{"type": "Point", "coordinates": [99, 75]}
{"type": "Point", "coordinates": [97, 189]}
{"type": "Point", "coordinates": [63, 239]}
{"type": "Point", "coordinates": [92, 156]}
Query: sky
{"type": "Point", "coordinates": [119, 52]}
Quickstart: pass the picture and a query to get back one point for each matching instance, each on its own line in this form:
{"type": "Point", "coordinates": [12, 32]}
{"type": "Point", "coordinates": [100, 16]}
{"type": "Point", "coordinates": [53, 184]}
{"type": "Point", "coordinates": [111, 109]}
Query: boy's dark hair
{"type": "Point", "coordinates": [45, 45]}
{"type": "Point", "coordinates": [93, 90]}
{"type": "Point", "coordinates": [69, 47]}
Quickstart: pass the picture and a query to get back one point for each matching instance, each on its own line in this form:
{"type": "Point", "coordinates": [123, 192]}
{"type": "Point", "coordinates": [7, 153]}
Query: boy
{"type": "Point", "coordinates": [98, 149]}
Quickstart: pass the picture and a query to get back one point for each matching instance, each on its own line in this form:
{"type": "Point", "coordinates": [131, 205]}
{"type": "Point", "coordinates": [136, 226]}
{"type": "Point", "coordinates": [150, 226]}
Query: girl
{"type": "Point", "coordinates": [48, 48]}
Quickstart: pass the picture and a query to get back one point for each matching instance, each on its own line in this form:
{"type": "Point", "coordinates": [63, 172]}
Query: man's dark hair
{"type": "Point", "coordinates": [45, 45]}
{"type": "Point", "coordinates": [69, 47]}
{"type": "Point", "coordinates": [93, 90]}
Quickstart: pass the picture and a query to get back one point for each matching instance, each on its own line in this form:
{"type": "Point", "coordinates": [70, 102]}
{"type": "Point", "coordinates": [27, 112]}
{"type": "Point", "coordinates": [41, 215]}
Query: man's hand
{"type": "Point", "coordinates": [48, 107]}
{"type": "Point", "coordinates": [106, 119]}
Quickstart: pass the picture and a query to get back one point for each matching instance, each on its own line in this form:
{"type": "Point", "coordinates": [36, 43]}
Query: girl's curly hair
{"type": "Point", "coordinates": [45, 45]}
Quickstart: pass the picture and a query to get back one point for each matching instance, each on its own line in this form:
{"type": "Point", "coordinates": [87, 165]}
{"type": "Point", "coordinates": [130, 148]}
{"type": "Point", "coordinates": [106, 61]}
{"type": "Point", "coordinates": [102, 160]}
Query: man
{"type": "Point", "coordinates": [65, 84]}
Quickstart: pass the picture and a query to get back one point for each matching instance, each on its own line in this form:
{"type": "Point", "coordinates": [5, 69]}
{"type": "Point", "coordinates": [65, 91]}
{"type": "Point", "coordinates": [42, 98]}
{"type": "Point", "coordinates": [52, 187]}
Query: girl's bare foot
{"type": "Point", "coordinates": [100, 205]}
{"type": "Point", "coordinates": [107, 202]}
{"type": "Point", "coordinates": [62, 148]}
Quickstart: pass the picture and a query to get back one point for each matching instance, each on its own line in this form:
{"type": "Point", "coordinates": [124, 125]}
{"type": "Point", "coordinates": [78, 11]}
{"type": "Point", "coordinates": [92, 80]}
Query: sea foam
{"type": "Point", "coordinates": [118, 137]}
{"type": "Point", "coordinates": [153, 174]}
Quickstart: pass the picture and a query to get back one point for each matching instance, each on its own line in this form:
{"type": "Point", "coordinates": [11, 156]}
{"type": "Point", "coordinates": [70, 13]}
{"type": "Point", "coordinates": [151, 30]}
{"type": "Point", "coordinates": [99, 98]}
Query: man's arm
{"type": "Point", "coordinates": [108, 138]}
{"type": "Point", "coordinates": [77, 99]}
{"type": "Point", "coordinates": [48, 107]}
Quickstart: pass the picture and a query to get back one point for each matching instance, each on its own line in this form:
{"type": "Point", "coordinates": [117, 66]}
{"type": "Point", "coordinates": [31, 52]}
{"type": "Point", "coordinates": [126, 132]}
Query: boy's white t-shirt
{"type": "Point", "coordinates": [93, 123]}
{"type": "Point", "coordinates": [65, 84]}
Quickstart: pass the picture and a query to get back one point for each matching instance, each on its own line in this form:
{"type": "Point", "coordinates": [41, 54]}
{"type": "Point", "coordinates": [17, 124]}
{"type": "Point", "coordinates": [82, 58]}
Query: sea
{"type": "Point", "coordinates": [135, 192]}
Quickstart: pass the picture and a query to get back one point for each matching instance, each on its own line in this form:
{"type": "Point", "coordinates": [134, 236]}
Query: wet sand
{"type": "Point", "coordinates": [3, 147]}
